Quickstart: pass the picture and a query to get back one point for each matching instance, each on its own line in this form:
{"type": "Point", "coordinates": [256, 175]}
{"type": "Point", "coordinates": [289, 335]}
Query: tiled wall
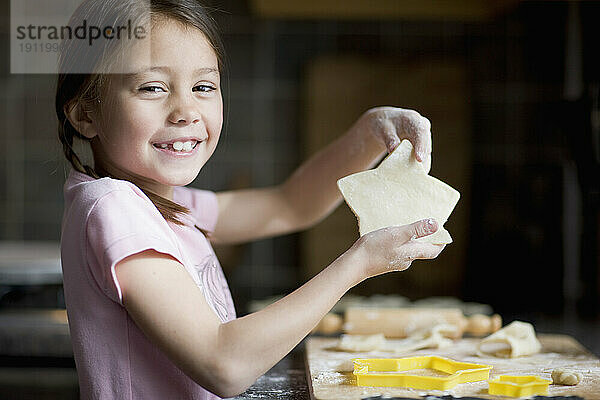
{"type": "Point", "coordinates": [515, 71]}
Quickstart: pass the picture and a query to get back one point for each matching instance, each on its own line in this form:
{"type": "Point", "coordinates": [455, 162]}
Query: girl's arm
{"type": "Point", "coordinates": [311, 192]}
{"type": "Point", "coordinates": [226, 358]}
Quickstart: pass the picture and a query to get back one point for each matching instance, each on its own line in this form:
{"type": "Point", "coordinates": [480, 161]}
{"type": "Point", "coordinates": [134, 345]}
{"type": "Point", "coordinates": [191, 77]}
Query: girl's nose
{"type": "Point", "coordinates": [185, 112]}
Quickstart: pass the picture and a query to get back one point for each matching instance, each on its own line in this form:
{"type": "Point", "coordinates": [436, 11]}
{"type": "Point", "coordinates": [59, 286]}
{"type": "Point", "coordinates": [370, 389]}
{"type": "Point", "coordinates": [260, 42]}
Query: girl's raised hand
{"type": "Point", "coordinates": [394, 248]}
{"type": "Point", "coordinates": [390, 125]}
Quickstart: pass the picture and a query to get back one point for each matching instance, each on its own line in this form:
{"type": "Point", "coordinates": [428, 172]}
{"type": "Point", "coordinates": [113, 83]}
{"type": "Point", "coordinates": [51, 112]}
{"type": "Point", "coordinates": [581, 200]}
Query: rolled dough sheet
{"type": "Point", "coordinates": [399, 192]}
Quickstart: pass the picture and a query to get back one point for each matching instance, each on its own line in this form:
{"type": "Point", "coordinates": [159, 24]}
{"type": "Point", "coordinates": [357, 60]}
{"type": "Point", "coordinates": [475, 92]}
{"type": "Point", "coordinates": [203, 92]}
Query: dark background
{"type": "Point", "coordinates": [533, 217]}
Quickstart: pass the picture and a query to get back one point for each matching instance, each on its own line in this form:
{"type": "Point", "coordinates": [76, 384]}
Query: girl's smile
{"type": "Point", "coordinates": [182, 147]}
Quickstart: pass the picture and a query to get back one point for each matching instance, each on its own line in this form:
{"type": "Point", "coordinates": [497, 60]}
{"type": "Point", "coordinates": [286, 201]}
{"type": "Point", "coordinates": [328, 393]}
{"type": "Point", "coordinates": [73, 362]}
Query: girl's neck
{"type": "Point", "coordinates": [165, 191]}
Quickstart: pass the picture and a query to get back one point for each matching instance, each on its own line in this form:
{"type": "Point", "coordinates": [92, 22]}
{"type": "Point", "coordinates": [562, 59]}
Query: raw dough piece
{"type": "Point", "coordinates": [399, 192]}
{"type": "Point", "coordinates": [432, 338]}
{"type": "Point", "coordinates": [563, 376]}
{"type": "Point", "coordinates": [361, 343]}
{"type": "Point", "coordinates": [514, 340]}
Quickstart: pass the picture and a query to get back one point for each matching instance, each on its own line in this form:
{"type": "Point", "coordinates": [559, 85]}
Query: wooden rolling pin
{"type": "Point", "coordinates": [402, 322]}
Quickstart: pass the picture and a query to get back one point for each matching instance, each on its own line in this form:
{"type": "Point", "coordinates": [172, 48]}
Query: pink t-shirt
{"type": "Point", "coordinates": [106, 220]}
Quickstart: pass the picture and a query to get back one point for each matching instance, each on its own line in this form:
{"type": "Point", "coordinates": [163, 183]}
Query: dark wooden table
{"type": "Point", "coordinates": [286, 380]}
{"type": "Point", "coordinates": [26, 358]}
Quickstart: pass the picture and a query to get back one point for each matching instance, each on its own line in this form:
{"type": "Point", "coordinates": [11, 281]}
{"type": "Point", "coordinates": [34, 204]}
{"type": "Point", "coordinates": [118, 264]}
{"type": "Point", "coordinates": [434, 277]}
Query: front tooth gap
{"type": "Point", "coordinates": [178, 146]}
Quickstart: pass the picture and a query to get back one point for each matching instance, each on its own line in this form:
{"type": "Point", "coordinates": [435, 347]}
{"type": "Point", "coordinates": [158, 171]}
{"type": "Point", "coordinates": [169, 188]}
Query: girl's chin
{"type": "Point", "coordinates": [174, 182]}
{"type": "Point", "coordinates": [178, 179]}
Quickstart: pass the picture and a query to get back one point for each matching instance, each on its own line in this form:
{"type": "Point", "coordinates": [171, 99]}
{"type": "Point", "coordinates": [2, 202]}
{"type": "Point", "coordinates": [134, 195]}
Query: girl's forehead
{"type": "Point", "coordinates": [171, 45]}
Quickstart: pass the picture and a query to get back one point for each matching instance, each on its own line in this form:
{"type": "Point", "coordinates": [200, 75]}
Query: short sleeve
{"type": "Point", "coordinates": [203, 205]}
{"type": "Point", "coordinates": [122, 223]}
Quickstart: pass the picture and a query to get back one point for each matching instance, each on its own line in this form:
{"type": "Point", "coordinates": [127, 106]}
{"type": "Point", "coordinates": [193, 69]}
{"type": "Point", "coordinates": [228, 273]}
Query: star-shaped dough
{"type": "Point", "coordinates": [399, 192]}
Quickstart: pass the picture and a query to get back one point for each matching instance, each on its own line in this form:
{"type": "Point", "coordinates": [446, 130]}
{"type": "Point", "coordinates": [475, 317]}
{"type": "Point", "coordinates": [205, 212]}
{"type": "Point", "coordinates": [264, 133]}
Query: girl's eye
{"type": "Point", "coordinates": [151, 89]}
{"type": "Point", "coordinates": [203, 88]}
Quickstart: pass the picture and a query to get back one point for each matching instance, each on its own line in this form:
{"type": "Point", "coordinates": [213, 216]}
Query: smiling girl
{"type": "Point", "coordinates": [150, 312]}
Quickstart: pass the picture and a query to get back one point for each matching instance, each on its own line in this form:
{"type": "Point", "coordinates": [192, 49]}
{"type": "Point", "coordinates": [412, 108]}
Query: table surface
{"type": "Point", "coordinates": [287, 380]}
{"type": "Point", "coordinates": [332, 378]}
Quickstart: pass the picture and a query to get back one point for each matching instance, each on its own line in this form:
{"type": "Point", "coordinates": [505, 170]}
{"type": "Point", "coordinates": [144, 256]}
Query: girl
{"type": "Point", "coordinates": [150, 313]}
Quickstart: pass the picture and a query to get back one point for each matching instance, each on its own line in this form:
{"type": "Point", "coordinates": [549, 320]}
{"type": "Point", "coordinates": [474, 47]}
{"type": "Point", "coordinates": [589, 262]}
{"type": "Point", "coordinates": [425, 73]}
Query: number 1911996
{"type": "Point", "coordinates": [38, 47]}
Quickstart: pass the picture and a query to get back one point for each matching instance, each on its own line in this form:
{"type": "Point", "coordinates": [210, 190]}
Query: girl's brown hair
{"type": "Point", "coordinates": [80, 78]}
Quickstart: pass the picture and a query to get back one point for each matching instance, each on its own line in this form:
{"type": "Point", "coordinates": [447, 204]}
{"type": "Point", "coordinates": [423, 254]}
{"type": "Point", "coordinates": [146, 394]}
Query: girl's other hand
{"type": "Point", "coordinates": [390, 125]}
{"type": "Point", "coordinates": [394, 248]}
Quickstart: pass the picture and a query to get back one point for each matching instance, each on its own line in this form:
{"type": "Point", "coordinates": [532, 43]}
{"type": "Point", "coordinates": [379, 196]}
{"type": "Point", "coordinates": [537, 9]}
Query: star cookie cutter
{"type": "Point", "coordinates": [518, 386]}
{"type": "Point", "coordinates": [397, 372]}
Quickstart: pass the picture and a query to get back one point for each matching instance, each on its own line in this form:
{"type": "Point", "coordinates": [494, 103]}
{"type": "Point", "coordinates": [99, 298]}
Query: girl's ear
{"type": "Point", "coordinates": [81, 119]}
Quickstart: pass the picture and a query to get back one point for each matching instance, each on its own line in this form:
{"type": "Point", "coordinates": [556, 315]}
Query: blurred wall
{"type": "Point", "coordinates": [522, 159]}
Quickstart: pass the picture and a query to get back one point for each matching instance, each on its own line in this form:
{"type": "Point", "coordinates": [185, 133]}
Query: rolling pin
{"type": "Point", "coordinates": [402, 322]}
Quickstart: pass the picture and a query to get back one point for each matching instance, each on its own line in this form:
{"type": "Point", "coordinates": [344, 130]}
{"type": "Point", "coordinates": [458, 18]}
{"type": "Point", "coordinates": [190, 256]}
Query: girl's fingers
{"type": "Point", "coordinates": [422, 143]}
{"type": "Point", "coordinates": [411, 251]}
{"type": "Point", "coordinates": [424, 227]}
{"type": "Point", "coordinates": [419, 152]}
{"type": "Point", "coordinates": [404, 233]}
{"type": "Point", "coordinates": [391, 125]}
{"type": "Point", "coordinates": [418, 129]}
{"type": "Point", "coordinates": [393, 248]}
{"type": "Point", "coordinates": [389, 135]}
{"type": "Point", "coordinates": [423, 251]}
{"type": "Point", "coordinates": [392, 143]}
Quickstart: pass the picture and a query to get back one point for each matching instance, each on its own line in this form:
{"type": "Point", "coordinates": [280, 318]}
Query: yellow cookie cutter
{"type": "Point", "coordinates": [518, 386]}
{"type": "Point", "coordinates": [389, 372]}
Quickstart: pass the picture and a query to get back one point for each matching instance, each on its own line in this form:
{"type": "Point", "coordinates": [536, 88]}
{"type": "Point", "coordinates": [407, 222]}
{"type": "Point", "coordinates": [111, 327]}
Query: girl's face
{"type": "Point", "coordinates": [158, 127]}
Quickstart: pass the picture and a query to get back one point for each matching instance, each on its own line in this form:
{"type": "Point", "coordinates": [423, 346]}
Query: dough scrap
{"type": "Point", "coordinates": [514, 340]}
{"type": "Point", "coordinates": [361, 343]}
{"type": "Point", "coordinates": [563, 376]}
{"type": "Point", "coordinates": [398, 192]}
{"type": "Point", "coordinates": [435, 337]}
{"type": "Point", "coordinates": [432, 338]}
